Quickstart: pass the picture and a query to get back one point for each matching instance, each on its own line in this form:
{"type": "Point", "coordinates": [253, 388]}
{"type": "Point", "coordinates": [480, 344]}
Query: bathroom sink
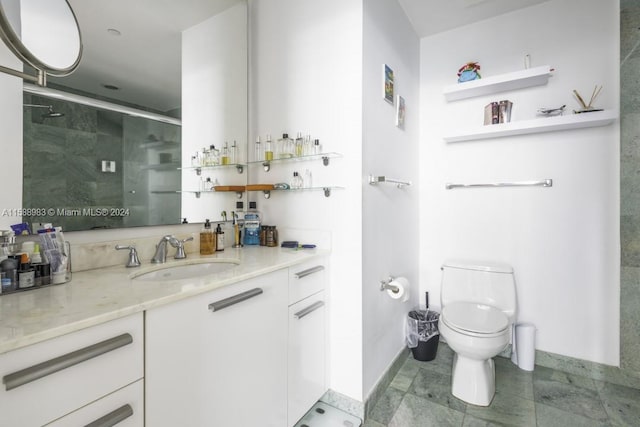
{"type": "Point", "coordinates": [196, 268]}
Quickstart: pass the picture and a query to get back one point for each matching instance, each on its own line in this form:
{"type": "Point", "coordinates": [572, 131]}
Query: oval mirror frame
{"type": "Point", "coordinates": [67, 34]}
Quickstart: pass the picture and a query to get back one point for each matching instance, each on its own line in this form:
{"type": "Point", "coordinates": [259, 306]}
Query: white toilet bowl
{"type": "Point", "coordinates": [476, 333]}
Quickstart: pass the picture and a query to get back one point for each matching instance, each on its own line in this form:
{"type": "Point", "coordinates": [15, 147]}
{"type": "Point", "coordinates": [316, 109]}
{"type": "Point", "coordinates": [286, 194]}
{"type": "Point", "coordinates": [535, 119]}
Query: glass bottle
{"type": "Point", "coordinates": [258, 156]}
{"type": "Point", "coordinates": [268, 149]}
{"type": "Point", "coordinates": [307, 179]}
{"type": "Point", "coordinates": [214, 156]}
{"type": "Point", "coordinates": [296, 181]}
{"type": "Point", "coordinates": [234, 154]}
{"type": "Point", "coordinates": [308, 145]}
{"type": "Point", "coordinates": [299, 145]}
{"type": "Point", "coordinates": [285, 147]}
{"type": "Point", "coordinates": [225, 154]}
{"type": "Point", "coordinates": [317, 147]}
{"type": "Point", "coordinates": [207, 239]}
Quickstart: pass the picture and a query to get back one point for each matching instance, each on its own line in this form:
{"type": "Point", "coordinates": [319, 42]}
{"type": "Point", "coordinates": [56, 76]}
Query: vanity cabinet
{"type": "Point", "coordinates": [46, 381]}
{"type": "Point", "coordinates": [220, 358]}
{"type": "Point", "coordinates": [306, 377]}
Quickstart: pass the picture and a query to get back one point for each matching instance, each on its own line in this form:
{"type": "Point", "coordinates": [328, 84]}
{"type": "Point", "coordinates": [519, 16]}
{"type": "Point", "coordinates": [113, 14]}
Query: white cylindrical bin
{"type": "Point", "coordinates": [524, 346]}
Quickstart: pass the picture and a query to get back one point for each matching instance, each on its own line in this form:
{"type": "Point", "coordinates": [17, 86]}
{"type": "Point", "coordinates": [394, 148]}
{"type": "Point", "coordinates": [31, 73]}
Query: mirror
{"type": "Point", "coordinates": [149, 80]}
{"type": "Point", "coordinates": [43, 34]}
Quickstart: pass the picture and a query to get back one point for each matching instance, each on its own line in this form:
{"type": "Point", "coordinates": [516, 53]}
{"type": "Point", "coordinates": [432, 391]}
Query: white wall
{"type": "Point", "coordinates": [563, 242]}
{"type": "Point", "coordinates": [214, 105]}
{"type": "Point", "coordinates": [10, 141]}
{"type": "Point", "coordinates": [390, 219]}
{"type": "Point", "coordinates": [306, 76]}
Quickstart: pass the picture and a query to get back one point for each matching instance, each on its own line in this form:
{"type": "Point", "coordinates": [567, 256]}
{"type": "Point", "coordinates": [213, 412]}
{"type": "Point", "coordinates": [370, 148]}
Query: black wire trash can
{"type": "Point", "coordinates": [422, 334]}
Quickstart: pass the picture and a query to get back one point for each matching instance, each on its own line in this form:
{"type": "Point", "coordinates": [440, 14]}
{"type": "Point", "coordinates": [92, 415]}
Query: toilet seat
{"type": "Point", "coordinates": [474, 319]}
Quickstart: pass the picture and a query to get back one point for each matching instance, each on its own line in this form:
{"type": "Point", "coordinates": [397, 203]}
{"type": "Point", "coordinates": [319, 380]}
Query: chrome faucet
{"type": "Point", "coordinates": [160, 256]}
{"type": "Point", "coordinates": [179, 245]}
{"type": "Point", "coordinates": [134, 261]}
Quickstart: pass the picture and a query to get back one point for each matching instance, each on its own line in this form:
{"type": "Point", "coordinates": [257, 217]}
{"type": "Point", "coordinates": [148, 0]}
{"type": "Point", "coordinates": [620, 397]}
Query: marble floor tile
{"type": "Point", "coordinates": [436, 387]}
{"type": "Point", "coordinates": [471, 421]}
{"type": "Point", "coordinates": [569, 397]}
{"type": "Point", "coordinates": [387, 405]}
{"type": "Point", "coordinates": [372, 423]}
{"type": "Point", "coordinates": [512, 380]}
{"type": "Point", "coordinates": [402, 381]}
{"type": "Point", "coordinates": [506, 409]}
{"type": "Point", "coordinates": [548, 416]}
{"type": "Point", "coordinates": [621, 403]}
{"type": "Point", "coordinates": [417, 412]}
{"type": "Point", "coordinates": [549, 374]}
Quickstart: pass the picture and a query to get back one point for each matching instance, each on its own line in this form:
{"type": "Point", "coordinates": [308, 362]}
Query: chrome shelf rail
{"type": "Point", "coordinates": [541, 183]}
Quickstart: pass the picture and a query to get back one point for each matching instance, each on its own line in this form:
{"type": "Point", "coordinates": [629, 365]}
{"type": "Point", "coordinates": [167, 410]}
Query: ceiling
{"type": "Point", "coordinates": [429, 17]}
{"type": "Point", "coordinates": [144, 60]}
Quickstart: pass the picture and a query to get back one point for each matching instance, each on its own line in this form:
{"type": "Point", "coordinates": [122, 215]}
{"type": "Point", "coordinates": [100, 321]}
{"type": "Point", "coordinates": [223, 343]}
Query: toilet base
{"type": "Point", "coordinates": [473, 381]}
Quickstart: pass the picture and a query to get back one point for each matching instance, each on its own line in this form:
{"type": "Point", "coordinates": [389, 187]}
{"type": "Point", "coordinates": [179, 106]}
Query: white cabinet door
{"type": "Point", "coordinates": [306, 376]}
{"type": "Point", "coordinates": [47, 380]}
{"type": "Point", "coordinates": [123, 408]}
{"type": "Point", "coordinates": [219, 359]}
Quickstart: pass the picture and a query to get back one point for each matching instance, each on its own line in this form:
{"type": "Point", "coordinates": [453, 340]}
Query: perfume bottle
{"type": "Point", "coordinates": [225, 154]}
{"type": "Point", "coordinates": [268, 149]}
{"type": "Point", "coordinates": [299, 145]}
{"type": "Point", "coordinates": [317, 147]}
{"type": "Point", "coordinates": [285, 147]}
{"type": "Point", "coordinates": [257, 150]}
{"type": "Point", "coordinates": [296, 181]}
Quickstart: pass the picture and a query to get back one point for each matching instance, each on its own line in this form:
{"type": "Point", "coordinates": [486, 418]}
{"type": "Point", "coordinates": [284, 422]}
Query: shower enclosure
{"type": "Point", "coordinates": [88, 168]}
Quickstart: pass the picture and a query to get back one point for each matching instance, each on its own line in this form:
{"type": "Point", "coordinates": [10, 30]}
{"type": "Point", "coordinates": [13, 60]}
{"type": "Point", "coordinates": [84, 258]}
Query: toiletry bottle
{"type": "Point", "coordinates": [308, 145]}
{"type": "Point", "coordinates": [225, 154]}
{"type": "Point", "coordinates": [207, 242]}
{"type": "Point", "coordinates": [306, 182]}
{"type": "Point", "coordinates": [268, 149]}
{"type": "Point", "coordinates": [257, 151]}
{"type": "Point", "coordinates": [36, 257]}
{"type": "Point", "coordinates": [317, 147]}
{"type": "Point", "coordinates": [252, 225]}
{"type": "Point", "coordinates": [296, 181]}
{"type": "Point", "coordinates": [219, 239]}
{"type": "Point", "coordinates": [285, 147]}
{"type": "Point", "coordinates": [299, 145]}
{"type": "Point", "coordinates": [214, 156]}
{"type": "Point", "coordinates": [26, 273]}
{"type": "Point", "coordinates": [234, 156]}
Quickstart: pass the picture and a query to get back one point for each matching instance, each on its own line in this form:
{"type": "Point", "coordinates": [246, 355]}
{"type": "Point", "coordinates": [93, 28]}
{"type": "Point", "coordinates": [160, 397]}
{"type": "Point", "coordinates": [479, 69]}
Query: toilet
{"type": "Point", "coordinates": [478, 303]}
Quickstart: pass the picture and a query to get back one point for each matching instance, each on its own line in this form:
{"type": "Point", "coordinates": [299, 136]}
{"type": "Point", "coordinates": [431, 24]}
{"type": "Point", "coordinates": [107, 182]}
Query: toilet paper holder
{"type": "Point", "coordinates": [386, 285]}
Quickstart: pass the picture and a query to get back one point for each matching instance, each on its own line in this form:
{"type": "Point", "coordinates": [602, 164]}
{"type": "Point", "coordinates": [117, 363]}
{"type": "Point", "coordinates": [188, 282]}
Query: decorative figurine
{"type": "Point", "coordinates": [469, 71]}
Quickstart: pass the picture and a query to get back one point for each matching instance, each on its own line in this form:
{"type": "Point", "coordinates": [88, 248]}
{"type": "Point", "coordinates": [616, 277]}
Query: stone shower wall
{"type": "Point", "coordinates": [630, 185]}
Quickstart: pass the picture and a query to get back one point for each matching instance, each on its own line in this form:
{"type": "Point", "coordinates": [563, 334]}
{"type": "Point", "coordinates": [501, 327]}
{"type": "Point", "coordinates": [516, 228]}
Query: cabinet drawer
{"type": "Point", "coordinates": [45, 381]}
{"type": "Point", "coordinates": [306, 279]}
{"type": "Point", "coordinates": [123, 408]}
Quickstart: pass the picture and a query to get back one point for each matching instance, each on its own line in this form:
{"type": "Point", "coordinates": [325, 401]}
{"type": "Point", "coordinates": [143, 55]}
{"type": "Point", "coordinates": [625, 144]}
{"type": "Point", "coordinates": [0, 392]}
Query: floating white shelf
{"type": "Point", "coordinates": [537, 76]}
{"type": "Point", "coordinates": [545, 124]}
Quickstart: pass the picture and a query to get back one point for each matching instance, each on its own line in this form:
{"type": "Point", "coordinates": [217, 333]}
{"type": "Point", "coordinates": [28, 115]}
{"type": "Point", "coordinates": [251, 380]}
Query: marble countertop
{"type": "Point", "coordinates": [96, 296]}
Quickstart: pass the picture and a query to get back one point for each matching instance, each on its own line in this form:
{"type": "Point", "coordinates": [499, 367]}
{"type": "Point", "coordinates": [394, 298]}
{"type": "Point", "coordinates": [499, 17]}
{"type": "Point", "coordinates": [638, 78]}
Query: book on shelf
{"type": "Point", "coordinates": [504, 108]}
{"type": "Point", "coordinates": [491, 113]}
{"type": "Point", "coordinates": [497, 112]}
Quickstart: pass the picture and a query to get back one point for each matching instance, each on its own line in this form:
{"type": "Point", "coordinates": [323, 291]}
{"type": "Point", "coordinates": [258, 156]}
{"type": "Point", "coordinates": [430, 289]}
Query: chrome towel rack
{"type": "Point", "coordinates": [541, 183]}
{"type": "Point", "coordinates": [373, 180]}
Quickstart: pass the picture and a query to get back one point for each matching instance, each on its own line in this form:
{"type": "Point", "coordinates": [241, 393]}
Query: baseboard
{"type": "Point", "coordinates": [384, 381]}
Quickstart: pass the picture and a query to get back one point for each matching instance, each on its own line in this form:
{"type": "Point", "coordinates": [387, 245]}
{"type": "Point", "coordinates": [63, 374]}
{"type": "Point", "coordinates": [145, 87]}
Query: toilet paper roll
{"type": "Point", "coordinates": [403, 289]}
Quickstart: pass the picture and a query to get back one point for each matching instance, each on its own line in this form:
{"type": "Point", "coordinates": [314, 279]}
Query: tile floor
{"type": "Point", "coordinates": [419, 396]}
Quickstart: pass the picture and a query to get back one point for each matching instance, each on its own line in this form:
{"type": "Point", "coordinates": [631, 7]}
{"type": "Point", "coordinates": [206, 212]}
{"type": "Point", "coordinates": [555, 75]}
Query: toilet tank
{"type": "Point", "coordinates": [484, 283]}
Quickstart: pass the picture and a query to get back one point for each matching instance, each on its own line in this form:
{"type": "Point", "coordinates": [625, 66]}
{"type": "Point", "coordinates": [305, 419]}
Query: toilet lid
{"type": "Point", "coordinates": [474, 317]}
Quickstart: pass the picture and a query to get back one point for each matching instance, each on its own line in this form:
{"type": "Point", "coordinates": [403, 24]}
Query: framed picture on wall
{"type": "Point", "coordinates": [387, 75]}
{"type": "Point", "coordinates": [400, 110]}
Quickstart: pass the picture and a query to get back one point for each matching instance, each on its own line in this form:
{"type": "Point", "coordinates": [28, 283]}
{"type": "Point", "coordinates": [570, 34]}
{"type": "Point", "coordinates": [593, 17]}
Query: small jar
{"type": "Point", "coordinates": [272, 236]}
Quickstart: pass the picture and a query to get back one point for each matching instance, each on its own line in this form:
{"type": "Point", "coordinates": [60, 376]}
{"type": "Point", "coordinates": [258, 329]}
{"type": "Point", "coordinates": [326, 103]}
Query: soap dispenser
{"type": "Point", "coordinates": [207, 241]}
{"type": "Point", "coordinates": [219, 239]}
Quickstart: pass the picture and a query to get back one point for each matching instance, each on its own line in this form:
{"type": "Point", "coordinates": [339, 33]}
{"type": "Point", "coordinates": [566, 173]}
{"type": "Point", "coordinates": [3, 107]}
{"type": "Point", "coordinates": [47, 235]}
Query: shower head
{"type": "Point", "coordinates": [50, 114]}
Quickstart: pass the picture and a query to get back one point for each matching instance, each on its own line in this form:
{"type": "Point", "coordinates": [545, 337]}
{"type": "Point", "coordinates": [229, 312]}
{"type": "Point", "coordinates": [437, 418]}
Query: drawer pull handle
{"type": "Point", "coordinates": [35, 372]}
{"type": "Point", "coordinates": [113, 417]}
{"type": "Point", "coordinates": [227, 302]}
{"type": "Point", "coordinates": [309, 271]}
{"type": "Point", "coordinates": [313, 307]}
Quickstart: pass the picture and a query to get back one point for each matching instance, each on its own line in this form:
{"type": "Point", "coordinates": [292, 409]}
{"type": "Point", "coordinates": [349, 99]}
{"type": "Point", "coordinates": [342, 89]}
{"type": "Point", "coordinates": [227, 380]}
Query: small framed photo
{"type": "Point", "coordinates": [387, 74]}
{"type": "Point", "coordinates": [400, 111]}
